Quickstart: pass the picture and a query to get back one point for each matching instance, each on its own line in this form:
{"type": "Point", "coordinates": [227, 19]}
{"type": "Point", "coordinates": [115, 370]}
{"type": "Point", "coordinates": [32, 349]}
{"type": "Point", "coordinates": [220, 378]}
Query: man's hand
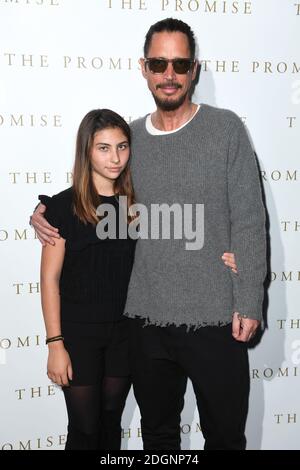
{"type": "Point", "coordinates": [243, 329]}
{"type": "Point", "coordinates": [44, 231]}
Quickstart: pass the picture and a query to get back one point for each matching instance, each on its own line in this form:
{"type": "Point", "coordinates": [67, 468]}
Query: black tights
{"type": "Point", "coordinates": [95, 413]}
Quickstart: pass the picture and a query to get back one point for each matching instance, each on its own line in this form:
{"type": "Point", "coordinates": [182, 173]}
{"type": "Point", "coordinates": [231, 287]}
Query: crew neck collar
{"type": "Point", "coordinates": [154, 131]}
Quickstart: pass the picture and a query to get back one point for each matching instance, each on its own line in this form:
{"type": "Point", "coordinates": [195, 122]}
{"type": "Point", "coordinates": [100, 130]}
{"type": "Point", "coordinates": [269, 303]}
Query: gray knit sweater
{"type": "Point", "coordinates": [209, 161]}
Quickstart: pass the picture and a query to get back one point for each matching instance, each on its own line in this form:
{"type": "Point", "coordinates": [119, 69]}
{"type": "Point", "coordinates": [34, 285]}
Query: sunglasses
{"type": "Point", "coordinates": [158, 65]}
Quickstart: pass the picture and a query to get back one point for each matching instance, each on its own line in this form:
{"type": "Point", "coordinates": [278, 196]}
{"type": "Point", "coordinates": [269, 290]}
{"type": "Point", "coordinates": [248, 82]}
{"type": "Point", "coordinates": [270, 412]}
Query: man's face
{"type": "Point", "coordinates": [169, 89]}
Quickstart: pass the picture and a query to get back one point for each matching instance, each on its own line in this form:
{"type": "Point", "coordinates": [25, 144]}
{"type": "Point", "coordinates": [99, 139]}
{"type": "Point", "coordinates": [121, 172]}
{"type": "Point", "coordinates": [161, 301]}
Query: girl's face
{"type": "Point", "coordinates": [109, 155]}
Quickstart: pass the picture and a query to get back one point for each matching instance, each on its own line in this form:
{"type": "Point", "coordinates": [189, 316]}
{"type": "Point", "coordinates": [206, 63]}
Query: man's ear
{"type": "Point", "coordinates": [143, 66]}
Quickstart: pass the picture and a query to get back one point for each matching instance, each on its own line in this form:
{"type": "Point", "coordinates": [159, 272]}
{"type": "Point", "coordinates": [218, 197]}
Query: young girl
{"type": "Point", "coordinates": [84, 282]}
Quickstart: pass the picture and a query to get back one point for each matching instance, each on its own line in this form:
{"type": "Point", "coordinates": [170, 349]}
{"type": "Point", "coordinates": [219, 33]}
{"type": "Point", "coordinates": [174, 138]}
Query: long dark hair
{"type": "Point", "coordinates": [171, 25]}
{"type": "Point", "coordinates": [86, 198]}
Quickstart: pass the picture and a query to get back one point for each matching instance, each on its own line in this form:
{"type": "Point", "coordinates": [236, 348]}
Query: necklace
{"type": "Point", "coordinates": [191, 113]}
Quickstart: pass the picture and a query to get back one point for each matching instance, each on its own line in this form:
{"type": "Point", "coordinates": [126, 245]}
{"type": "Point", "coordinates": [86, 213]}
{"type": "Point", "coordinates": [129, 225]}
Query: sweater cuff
{"type": "Point", "coordinates": [248, 300]}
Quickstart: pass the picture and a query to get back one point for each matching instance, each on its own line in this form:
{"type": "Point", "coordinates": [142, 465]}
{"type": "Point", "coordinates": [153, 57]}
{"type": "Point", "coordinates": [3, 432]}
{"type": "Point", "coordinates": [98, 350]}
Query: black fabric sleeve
{"type": "Point", "coordinates": [55, 214]}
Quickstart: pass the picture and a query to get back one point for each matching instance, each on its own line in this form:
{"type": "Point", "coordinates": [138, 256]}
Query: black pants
{"type": "Point", "coordinates": [217, 364]}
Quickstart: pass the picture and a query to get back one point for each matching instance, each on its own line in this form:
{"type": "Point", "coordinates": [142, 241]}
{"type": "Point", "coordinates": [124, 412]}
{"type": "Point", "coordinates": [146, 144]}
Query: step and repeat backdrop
{"type": "Point", "coordinates": [61, 58]}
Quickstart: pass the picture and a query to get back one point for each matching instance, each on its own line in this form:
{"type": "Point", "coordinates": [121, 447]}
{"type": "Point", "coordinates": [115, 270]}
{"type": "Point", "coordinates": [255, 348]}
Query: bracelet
{"type": "Point", "coordinates": [54, 338]}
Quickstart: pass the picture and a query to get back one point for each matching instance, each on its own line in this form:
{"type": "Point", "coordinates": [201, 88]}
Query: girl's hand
{"type": "Point", "coordinates": [59, 367]}
{"type": "Point", "coordinates": [229, 260]}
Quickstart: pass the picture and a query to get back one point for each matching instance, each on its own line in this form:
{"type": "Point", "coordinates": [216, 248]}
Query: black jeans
{"type": "Point", "coordinates": [161, 360]}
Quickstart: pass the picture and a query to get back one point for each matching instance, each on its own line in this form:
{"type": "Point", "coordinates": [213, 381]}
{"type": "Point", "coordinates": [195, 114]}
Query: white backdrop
{"type": "Point", "coordinates": [61, 58]}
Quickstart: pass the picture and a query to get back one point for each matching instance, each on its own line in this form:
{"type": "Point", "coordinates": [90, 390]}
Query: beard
{"type": "Point", "coordinates": [168, 104]}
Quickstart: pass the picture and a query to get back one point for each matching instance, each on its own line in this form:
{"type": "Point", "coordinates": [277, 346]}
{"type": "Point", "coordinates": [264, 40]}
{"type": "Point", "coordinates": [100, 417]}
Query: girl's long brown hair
{"type": "Point", "coordinates": [86, 198]}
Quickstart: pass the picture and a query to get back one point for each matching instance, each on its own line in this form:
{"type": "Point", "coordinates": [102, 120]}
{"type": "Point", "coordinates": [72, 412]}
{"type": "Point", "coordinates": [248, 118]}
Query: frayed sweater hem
{"type": "Point", "coordinates": [176, 323]}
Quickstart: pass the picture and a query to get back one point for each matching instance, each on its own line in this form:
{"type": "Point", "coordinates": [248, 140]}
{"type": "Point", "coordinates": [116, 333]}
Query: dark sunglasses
{"type": "Point", "coordinates": [158, 65]}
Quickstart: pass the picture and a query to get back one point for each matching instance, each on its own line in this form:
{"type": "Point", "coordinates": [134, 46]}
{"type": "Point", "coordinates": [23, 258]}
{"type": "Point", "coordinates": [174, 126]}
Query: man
{"type": "Point", "coordinates": [191, 316]}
